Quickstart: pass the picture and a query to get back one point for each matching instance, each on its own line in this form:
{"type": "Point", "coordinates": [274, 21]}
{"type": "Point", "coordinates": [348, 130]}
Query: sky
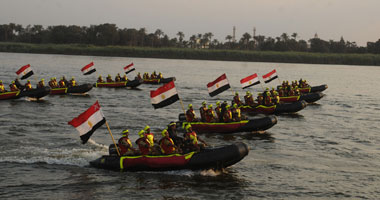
{"type": "Point", "coordinates": [357, 21]}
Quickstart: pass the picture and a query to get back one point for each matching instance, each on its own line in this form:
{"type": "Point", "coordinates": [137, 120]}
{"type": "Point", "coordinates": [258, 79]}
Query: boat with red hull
{"type": "Point", "coordinates": [209, 158]}
{"type": "Point", "coordinates": [36, 93]}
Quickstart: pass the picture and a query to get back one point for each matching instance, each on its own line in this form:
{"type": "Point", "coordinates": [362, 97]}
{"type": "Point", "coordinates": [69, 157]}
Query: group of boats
{"type": "Point", "coordinates": [208, 158]}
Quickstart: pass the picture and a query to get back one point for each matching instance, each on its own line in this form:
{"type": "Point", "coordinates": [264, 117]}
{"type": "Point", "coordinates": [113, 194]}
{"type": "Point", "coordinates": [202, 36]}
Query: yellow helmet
{"type": "Point", "coordinates": [188, 127]}
{"type": "Point", "coordinates": [204, 103]}
{"type": "Point", "coordinates": [235, 105]}
{"type": "Point", "coordinates": [218, 103]}
{"type": "Point", "coordinates": [42, 79]}
{"type": "Point", "coordinates": [210, 106]}
{"type": "Point", "coordinates": [141, 133]}
{"type": "Point", "coordinates": [190, 105]}
{"type": "Point", "coordinates": [13, 81]}
{"type": "Point", "coordinates": [236, 93]}
{"type": "Point", "coordinates": [146, 128]}
{"type": "Point", "coordinates": [126, 131]}
{"type": "Point", "coordinates": [164, 132]}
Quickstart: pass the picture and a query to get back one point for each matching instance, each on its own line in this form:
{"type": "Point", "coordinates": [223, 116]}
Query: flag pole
{"type": "Point", "coordinates": [183, 107]}
{"type": "Point", "coordinates": [113, 140]}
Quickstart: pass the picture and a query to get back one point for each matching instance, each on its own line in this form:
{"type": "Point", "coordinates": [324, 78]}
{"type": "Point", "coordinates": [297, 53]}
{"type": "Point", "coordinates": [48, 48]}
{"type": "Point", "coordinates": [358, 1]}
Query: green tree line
{"type": "Point", "coordinates": [109, 34]}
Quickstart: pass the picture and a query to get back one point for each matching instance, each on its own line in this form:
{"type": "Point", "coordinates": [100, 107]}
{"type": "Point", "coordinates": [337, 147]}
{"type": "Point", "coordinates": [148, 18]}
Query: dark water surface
{"type": "Point", "coordinates": [329, 150]}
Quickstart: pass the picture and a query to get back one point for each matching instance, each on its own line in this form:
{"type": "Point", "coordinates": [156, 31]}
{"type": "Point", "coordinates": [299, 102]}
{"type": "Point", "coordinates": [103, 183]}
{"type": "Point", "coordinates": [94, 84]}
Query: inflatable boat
{"type": "Point", "coordinates": [33, 93]}
{"type": "Point", "coordinates": [251, 125]}
{"type": "Point", "coordinates": [131, 84]}
{"type": "Point", "coordinates": [80, 89]}
{"type": "Point", "coordinates": [9, 95]}
{"type": "Point", "coordinates": [308, 97]}
{"type": "Point", "coordinates": [209, 158]}
{"type": "Point", "coordinates": [318, 88]}
{"type": "Point", "coordinates": [281, 108]}
{"type": "Point", "coordinates": [159, 80]}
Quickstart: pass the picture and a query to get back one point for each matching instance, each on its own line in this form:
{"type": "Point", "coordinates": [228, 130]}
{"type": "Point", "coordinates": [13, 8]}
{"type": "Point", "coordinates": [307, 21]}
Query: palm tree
{"type": "Point", "coordinates": [180, 37]}
{"type": "Point", "coordinates": [229, 38]}
{"type": "Point", "coordinates": [285, 37]}
{"type": "Point", "coordinates": [295, 35]}
{"type": "Point", "coordinates": [193, 40]}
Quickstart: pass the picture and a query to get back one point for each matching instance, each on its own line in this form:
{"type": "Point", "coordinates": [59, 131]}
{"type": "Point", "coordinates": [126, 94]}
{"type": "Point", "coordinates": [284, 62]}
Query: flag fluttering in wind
{"type": "Point", "coordinates": [250, 81]}
{"type": "Point", "coordinates": [270, 76]}
{"type": "Point", "coordinates": [25, 72]}
{"type": "Point", "coordinates": [88, 69]}
{"type": "Point", "coordinates": [164, 95]}
{"type": "Point", "coordinates": [87, 122]}
{"type": "Point", "coordinates": [129, 68]}
{"type": "Point", "coordinates": [218, 86]}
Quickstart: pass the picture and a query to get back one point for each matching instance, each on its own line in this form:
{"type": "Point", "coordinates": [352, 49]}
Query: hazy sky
{"type": "Point", "coordinates": [355, 20]}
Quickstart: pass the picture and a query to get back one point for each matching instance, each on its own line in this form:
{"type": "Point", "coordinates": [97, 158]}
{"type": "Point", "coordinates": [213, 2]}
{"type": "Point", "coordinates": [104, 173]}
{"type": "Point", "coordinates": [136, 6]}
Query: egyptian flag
{"type": "Point", "coordinates": [218, 86]}
{"type": "Point", "coordinates": [164, 95]}
{"type": "Point", "coordinates": [250, 81]}
{"type": "Point", "coordinates": [129, 68]}
{"type": "Point", "coordinates": [88, 69]}
{"type": "Point", "coordinates": [270, 76]}
{"type": "Point", "coordinates": [87, 122]}
{"type": "Point", "coordinates": [24, 72]}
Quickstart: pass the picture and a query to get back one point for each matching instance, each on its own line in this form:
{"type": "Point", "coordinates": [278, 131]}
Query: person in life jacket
{"type": "Point", "coordinates": [100, 79]}
{"type": "Point", "coordinates": [218, 111]}
{"type": "Point", "coordinates": [191, 140]}
{"type": "Point", "coordinates": [249, 99]}
{"type": "Point", "coordinates": [143, 144]}
{"type": "Point", "coordinates": [18, 84]}
{"type": "Point", "coordinates": [65, 81]}
{"type": "Point", "coordinates": [202, 111]}
{"type": "Point", "coordinates": [275, 97]}
{"type": "Point", "coordinates": [118, 77]}
{"type": "Point", "coordinates": [125, 145]}
{"type": "Point", "coordinates": [41, 83]}
{"type": "Point", "coordinates": [72, 82]}
{"type": "Point", "coordinates": [236, 113]}
{"type": "Point", "coordinates": [237, 99]}
{"type": "Point", "coordinates": [267, 99]}
{"type": "Point", "coordinates": [152, 141]}
{"type": "Point", "coordinates": [28, 85]}
{"type": "Point", "coordinates": [172, 130]}
{"type": "Point", "coordinates": [210, 114]}
{"type": "Point", "coordinates": [260, 99]}
{"type": "Point", "coordinates": [52, 83]}
{"type": "Point", "coordinates": [138, 76]}
{"type": "Point", "coordinates": [13, 87]}
{"type": "Point", "coordinates": [190, 114]}
{"type": "Point", "coordinates": [227, 116]}
{"type": "Point", "coordinates": [124, 78]}
{"type": "Point", "coordinates": [2, 88]}
{"type": "Point", "coordinates": [160, 75]}
{"type": "Point", "coordinates": [167, 145]}
{"type": "Point", "coordinates": [109, 79]}
{"type": "Point", "coordinates": [281, 92]}
{"type": "Point", "coordinates": [62, 83]}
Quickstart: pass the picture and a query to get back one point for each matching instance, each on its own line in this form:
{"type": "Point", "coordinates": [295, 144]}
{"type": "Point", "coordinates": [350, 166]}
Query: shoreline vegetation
{"type": "Point", "coordinates": [196, 54]}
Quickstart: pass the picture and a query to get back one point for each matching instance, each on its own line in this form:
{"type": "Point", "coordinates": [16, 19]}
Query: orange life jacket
{"type": "Point", "coordinates": [190, 115]}
{"type": "Point", "coordinates": [168, 146]}
{"type": "Point", "coordinates": [125, 145]}
{"type": "Point", "coordinates": [144, 145]}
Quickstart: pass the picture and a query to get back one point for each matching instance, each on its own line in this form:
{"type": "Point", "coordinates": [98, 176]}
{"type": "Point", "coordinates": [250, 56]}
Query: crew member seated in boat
{"type": "Point", "coordinates": [297, 91]}
{"type": "Point", "coordinates": [62, 83]}
{"type": "Point", "coordinates": [172, 129]}
{"type": "Point", "coordinates": [146, 75]}
{"type": "Point", "coordinates": [275, 97]}
{"type": "Point", "coordinates": [236, 113]}
{"type": "Point", "coordinates": [202, 111]}
{"type": "Point", "coordinates": [18, 84]}
{"type": "Point", "coordinates": [249, 99]}
{"type": "Point", "coordinates": [124, 78]}
{"type": "Point", "coordinates": [237, 99]}
{"type": "Point", "coordinates": [160, 75]}
{"type": "Point", "coordinates": [167, 145]}
{"type": "Point", "coordinates": [13, 87]}
{"type": "Point", "coordinates": [139, 76]}
{"type": "Point", "coordinates": [191, 140]}
{"type": "Point", "coordinates": [227, 116]}
{"type": "Point", "coordinates": [260, 99]}
{"type": "Point", "coordinates": [218, 111]}
{"type": "Point", "coordinates": [28, 85]}
{"type": "Point", "coordinates": [65, 81]}
{"type": "Point", "coordinates": [100, 79]}
{"type": "Point", "coordinates": [125, 145]}
{"type": "Point", "coordinates": [52, 83]}
{"type": "Point", "coordinates": [210, 114]}
{"type": "Point", "coordinates": [72, 82]}
{"type": "Point", "coordinates": [154, 75]}
{"type": "Point", "coordinates": [118, 77]}
{"type": "Point", "coordinates": [190, 114]}
{"type": "Point", "coordinates": [150, 136]}
{"type": "Point", "coordinates": [41, 83]}
{"type": "Point", "coordinates": [109, 79]}
{"type": "Point", "coordinates": [281, 92]}
{"type": "Point", "coordinates": [267, 99]}
{"type": "Point", "coordinates": [2, 88]}
{"type": "Point", "coordinates": [143, 143]}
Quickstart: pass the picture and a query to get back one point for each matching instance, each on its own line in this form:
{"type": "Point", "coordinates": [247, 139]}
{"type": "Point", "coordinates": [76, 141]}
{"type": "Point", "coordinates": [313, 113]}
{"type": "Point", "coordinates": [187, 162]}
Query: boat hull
{"type": "Point", "coordinates": [36, 93]}
{"type": "Point", "coordinates": [318, 88]}
{"type": "Point", "coordinates": [9, 95]}
{"type": "Point", "coordinates": [291, 107]}
{"type": "Point", "coordinates": [159, 81]}
{"type": "Point", "coordinates": [131, 84]}
{"type": "Point", "coordinates": [308, 97]}
{"type": "Point", "coordinates": [214, 158]}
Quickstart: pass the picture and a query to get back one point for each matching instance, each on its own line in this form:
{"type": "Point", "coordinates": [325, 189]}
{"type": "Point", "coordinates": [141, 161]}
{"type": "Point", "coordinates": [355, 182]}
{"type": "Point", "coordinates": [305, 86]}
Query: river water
{"type": "Point", "coordinates": [329, 150]}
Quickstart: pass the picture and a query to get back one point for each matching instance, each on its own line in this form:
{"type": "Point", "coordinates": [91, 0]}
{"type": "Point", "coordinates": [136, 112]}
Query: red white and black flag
{"type": "Point", "coordinates": [218, 86]}
{"type": "Point", "coordinates": [250, 81]}
{"type": "Point", "coordinates": [129, 68]}
{"type": "Point", "coordinates": [270, 76]}
{"type": "Point", "coordinates": [164, 95]}
{"type": "Point", "coordinates": [88, 69]}
{"type": "Point", "coordinates": [24, 72]}
{"type": "Point", "coordinates": [87, 122]}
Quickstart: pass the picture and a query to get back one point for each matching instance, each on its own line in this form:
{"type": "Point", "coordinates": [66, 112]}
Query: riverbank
{"type": "Point", "coordinates": [197, 54]}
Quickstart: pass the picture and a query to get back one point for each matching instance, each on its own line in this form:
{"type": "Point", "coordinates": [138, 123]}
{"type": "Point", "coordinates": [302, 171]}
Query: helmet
{"type": "Point", "coordinates": [235, 105]}
{"type": "Point", "coordinates": [13, 81]}
{"type": "Point", "coordinates": [109, 75]}
{"type": "Point", "coordinates": [42, 79]}
{"type": "Point", "coordinates": [172, 124]}
{"type": "Point", "coordinates": [141, 133]}
{"type": "Point", "coordinates": [236, 93]}
{"type": "Point", "coordinates": [190, 105]}
{"type": "Point", "coordinates": [204, 103]}
{"type": "Point", "coordinates": [248, 92]}
{"type": "Point", "coordinates": [100, 76]}
{"type": "Point", "coordinates": [72, 77]}
{"type": "Point", "coordinates": [272, 88]}
{"type": "Point", "coordinates": [259, 94]}
{"type": "Point", "coordinates": [126, 131]}
{"type": "Point", "coordinates": [210, 106]}
{"type": "Point", "coordinates": [218, 103]}
{"type": "Point", "coordinates": [266, 88]}
{"type": "Point", "coordinates": [164, 132]}
{"type": "Point", "coordinates": [1, 81]}
{"type": "Point", "coordinates": [146, 128]}
{"type": "Point", "coordinates": [228, 106]}
{"type": "Point", "coordinates": [28, 81]}
{"type": "Point", "coordinates": [188, 127]}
